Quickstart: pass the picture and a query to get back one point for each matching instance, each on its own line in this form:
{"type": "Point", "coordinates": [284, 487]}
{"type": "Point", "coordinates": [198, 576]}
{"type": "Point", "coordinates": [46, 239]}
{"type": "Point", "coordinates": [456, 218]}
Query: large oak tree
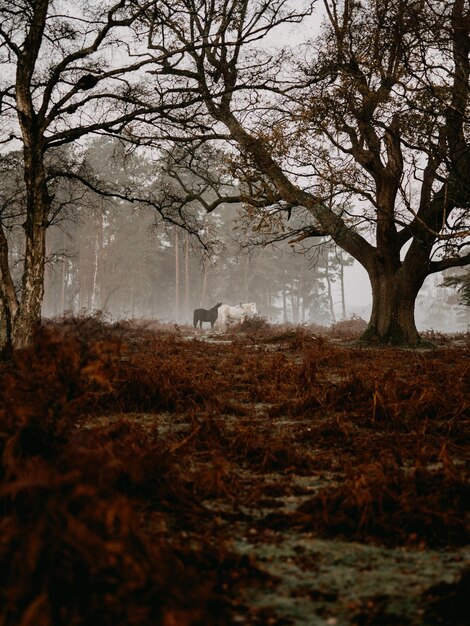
{"type": "Point", "coordinates": [376, 109]}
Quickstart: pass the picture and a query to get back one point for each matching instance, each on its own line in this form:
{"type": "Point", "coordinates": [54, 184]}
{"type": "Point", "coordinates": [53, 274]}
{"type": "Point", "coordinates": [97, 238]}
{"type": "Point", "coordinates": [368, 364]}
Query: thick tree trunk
{"type": "Point", "coordinates": [28, 315]}
{"type": "Point", "coordinates": [20, 316]}
{"type": "Point", "coordinates": [392, 320]}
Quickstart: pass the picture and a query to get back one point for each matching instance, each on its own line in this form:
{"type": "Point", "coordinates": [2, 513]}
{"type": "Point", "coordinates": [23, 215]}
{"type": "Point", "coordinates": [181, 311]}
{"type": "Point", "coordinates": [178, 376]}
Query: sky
{"type": "Point", "coordinates": [357, 287]}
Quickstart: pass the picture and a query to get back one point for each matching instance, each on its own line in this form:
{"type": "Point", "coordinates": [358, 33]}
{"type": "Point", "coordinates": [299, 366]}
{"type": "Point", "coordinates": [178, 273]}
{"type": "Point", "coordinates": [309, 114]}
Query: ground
{"type": "Point", "coordinates": [263, 476]}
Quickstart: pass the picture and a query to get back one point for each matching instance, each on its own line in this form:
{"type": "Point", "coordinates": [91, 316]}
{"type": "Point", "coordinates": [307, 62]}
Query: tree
{"type": "Point", "coordinates": [65, 75]}
{"type": "Point", "coordinates": [461, 282]}
{"type": "Point", "coordinates": [103, 252]}
{"type": "Point", "coordinates": [377, 111]}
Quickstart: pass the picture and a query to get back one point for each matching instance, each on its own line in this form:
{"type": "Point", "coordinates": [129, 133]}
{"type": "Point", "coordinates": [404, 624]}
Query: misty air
{"type": "Point", "coordinates": [234, 312]}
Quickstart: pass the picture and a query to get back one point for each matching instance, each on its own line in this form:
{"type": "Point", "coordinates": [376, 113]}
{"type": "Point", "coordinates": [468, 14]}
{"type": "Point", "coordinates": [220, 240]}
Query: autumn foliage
{"type": "Point", "coordinates": [118, 443]}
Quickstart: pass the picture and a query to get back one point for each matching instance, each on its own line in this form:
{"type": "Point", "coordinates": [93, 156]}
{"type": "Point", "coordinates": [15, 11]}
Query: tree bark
{"type": "Point", "coordinates": [177, 277]}
{"type": "Point", "coordinates": [28, 315]}
{"type": "Point", "coordinates": [392, 320]}
{"type": "Point", "coordinates": [205, 271]}
{"type": "Point", "coordinates": [187, 282]}
{"type": "Point", "coordinates": [8, 298]}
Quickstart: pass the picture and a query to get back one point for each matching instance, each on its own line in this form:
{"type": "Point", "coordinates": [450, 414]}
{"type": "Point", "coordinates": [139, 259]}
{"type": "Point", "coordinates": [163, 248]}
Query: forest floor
{"type": "Point", "coordinates": [265, 476]}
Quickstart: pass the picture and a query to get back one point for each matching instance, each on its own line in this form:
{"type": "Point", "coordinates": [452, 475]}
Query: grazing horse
{"type": "Point", "coordinates": [204, 315]}
{"type": "Point", "coordinates": [235, 314]}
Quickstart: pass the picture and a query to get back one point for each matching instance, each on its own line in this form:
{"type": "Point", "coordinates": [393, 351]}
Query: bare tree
{"type": "Point", "coordinates": [377, 110]}
{"type": "Point", "coordinates": [65, 75]}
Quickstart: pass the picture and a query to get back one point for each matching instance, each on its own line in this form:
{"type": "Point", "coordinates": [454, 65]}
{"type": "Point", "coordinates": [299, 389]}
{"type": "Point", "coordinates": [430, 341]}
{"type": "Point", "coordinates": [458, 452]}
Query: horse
{"type": "Point", "coordinates": [232, 314]}
{"type": "Point", "coordinates": [204, 315]}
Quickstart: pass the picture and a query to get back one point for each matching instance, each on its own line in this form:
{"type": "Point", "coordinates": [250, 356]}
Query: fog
{"type": "Point", "coordinates": [437, 307]}
{"type": "Point", "coordinates": [123, 260]}
{"type": "Point", "coordinates": [114, 260]}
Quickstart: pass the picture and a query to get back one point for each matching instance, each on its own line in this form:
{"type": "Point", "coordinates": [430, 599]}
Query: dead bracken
{"type": "Point", "coordinates": [136, 459]}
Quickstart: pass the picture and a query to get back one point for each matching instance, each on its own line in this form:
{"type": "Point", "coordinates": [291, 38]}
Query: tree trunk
{"type": "Point", "coordinates": [246, 279]}
{"type": "Point", "coordinates": [177, 277]}
{"type": "Point", "coordinates": [330, 294]}
{"type": "Point", "coordinates": [343, 295]}
{"type": "Point", "coordinates": [187, 284]}
{"type": "Point", "coordinates": [285, 317]}
{"type": "Point", "coordinates": [392, 320]}
{"type": "Point", "coordinates": [96, 296]}
{"type": "Point", "coordinates": [28, 316]}
{"type": "Point", "coordinates": [8, 298]}
{"type": "Point", "coordinates": [22, 315]}
{"type": "Point", "coordinates": [295, 301]}
{"type": "Point", "coordinates": [64, 275]}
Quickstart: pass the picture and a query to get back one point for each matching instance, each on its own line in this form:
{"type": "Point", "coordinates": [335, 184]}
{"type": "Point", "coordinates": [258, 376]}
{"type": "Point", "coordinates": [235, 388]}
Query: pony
{"type": "Point", "coordinates": [204, 315]}
{"type": "Point", "coordinates": [235, 314]}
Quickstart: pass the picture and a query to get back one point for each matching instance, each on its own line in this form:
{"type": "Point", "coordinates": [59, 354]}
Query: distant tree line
{"type": "Point", "coordinates": [107, 254]}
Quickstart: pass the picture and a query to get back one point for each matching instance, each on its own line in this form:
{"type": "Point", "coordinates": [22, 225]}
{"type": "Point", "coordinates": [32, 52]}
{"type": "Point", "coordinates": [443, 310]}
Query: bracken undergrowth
{"type": "Point", "coordinates": [117, 440]}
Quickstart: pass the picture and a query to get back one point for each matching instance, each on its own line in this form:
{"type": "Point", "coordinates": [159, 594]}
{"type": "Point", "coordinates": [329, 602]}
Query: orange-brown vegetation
{"type": "Point", "coordinates": [132, 454]}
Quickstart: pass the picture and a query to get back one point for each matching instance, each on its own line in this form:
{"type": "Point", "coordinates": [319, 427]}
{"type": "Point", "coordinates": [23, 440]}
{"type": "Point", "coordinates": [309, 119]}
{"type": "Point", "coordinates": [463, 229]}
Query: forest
{"type": "Point", "coordinates": [355, 137]}
{"type": "Point", "coordinates": [123, 260]}
{"type": "Point", "coordinates": [111, 256]}
{"type": "Point", "coordinates": [304, 466]}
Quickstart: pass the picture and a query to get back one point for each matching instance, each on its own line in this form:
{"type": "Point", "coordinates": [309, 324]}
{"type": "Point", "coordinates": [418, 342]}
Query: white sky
{"type": "Point", "coordinates": [357, 287]}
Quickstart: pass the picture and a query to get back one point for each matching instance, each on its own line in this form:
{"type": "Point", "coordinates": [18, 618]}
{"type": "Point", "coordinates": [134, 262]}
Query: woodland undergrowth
{"type": "Point", "coordinates": [115, 437]}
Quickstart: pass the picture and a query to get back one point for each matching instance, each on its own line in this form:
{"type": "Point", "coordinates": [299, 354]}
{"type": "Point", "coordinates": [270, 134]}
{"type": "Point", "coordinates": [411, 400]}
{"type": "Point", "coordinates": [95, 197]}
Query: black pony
{"type": "Point", "coordinates": [204, 315]}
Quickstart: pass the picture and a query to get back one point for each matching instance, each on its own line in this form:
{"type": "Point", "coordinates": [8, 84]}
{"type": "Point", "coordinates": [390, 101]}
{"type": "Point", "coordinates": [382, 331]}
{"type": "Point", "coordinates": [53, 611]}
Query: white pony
{"type": "Point", "coordinates": [235, 314]}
